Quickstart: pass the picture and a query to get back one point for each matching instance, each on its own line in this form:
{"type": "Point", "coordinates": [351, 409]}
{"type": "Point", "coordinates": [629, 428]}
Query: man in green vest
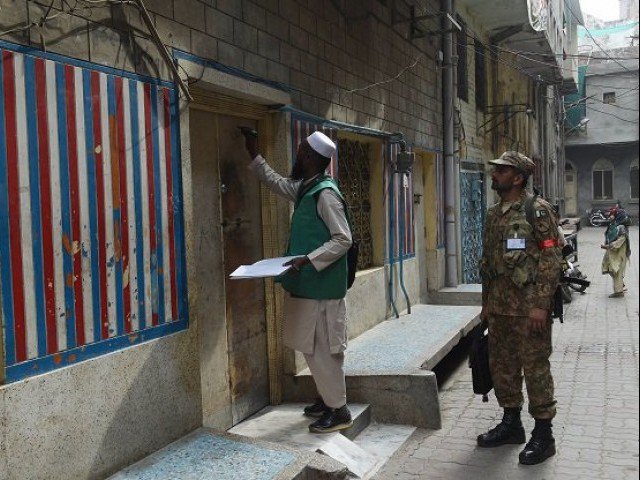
{"type": "Point", "coordinates": [316, 286]}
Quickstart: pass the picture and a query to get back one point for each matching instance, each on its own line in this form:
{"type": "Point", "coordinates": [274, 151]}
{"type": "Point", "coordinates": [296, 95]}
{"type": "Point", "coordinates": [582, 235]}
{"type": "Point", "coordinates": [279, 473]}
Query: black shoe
{"type": "Point", "coordinates": [332, 420]}
{"type": "Point", "coordinates": [537, 450]}
{"type": "Point", "coordinates": [508, 431]}
{"type": "Point", "coordinates": [541, 446]}
{"type": "Point", "coordinates": [317, 409]}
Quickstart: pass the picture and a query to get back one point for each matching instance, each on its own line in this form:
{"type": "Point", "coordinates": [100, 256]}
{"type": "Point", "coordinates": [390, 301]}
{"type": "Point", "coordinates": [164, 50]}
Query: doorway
{"type": "Point", "coordinates": [242, 244]}
{"type": "Point", "coordinates": [472, 208]}
{"type": "Point", "coordinates": [570, 191]}
{"type": "Point", "coordinates": [228, 219]}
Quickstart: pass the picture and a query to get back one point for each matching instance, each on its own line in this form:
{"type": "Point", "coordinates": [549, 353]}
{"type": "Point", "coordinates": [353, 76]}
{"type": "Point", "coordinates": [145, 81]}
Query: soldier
{"type": "Point", "coordinates": [520, 268]}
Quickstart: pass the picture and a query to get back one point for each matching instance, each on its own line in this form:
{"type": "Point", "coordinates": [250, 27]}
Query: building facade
{"type": "Point", "coordinates": [126, 202]}
{"type": "Point", "coordinates": [602, 119]}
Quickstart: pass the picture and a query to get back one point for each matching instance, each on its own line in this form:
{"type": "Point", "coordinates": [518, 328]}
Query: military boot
{"type": "Point", "coordinates": [541, 446]}
{"type": "Point", "coordinates": [508, 431]}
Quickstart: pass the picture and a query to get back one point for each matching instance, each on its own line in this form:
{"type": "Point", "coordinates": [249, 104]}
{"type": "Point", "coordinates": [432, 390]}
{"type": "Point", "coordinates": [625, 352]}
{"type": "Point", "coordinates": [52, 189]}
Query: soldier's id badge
{"type": "Point", "coordinates": [516, 243]}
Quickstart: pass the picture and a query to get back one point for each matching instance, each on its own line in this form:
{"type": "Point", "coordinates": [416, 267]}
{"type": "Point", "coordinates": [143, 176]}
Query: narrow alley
{"type": "Point", "coordinates": [595, 366]}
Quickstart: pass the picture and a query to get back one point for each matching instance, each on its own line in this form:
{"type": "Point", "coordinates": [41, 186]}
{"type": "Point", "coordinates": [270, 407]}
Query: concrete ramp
{"type": "Point", "coordinates": [465, 294]}
{"type": "Point", "coordinates": [389, 366]}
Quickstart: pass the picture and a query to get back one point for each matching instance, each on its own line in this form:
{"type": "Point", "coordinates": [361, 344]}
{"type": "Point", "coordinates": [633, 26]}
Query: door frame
{"type": "Point", "coordinates": [574, 190]}
{"type": "Point", "coordinates": [223, 93]}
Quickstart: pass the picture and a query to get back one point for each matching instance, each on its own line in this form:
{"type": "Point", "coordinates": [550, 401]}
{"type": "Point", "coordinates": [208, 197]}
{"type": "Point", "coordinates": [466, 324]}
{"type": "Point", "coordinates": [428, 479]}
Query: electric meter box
{"type": "Point", "coordinates": [404, 162]}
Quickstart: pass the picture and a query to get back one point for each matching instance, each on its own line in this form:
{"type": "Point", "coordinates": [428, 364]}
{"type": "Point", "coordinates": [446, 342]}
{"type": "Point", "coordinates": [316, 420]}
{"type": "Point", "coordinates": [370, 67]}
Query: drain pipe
{"type": "Point", "coordinates": [450, 165]}
{"type": "Point", "coordinates": [390, 191]}
{"type": "Point", "coordinates": [401, 227]}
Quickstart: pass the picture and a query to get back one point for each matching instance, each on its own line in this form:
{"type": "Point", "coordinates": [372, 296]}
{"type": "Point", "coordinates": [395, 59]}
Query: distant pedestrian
{"type": "Point", "coordinates": [520, 268]}
{"type": "Point", "coordinates": [617, 250]}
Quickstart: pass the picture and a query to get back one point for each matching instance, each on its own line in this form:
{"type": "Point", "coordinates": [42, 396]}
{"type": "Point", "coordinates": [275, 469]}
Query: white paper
{"type": "Point", "coordinates": [269, 267]}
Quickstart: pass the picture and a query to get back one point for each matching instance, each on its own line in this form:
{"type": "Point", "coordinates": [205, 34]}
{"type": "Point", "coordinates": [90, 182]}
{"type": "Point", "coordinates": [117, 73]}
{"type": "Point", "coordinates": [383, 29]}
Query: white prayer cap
{"type": "Point", "coordinates": [322, 144]}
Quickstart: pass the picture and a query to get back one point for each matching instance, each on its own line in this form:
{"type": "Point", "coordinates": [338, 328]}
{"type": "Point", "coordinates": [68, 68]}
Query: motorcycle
{"type": "Point", "coordinates": [573, 279]}
{"type": "Point", "coordinates": [599, 217]}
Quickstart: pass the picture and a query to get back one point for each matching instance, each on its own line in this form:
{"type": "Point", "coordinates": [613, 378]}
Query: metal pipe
{"type": "Point", "coordinates": [401, 246]}
{"type": "Point", "coordinates": [391, 222]}
{"type": "Point", "coordinates": [162, 49]}
{"type": "Point", "coordinates": [450, 165]}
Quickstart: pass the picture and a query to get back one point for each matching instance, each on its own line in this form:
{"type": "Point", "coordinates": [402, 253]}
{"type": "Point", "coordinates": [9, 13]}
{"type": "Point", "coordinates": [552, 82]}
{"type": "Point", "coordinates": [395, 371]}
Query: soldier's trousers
{"type": "Point", "coordinates": [513, 349]}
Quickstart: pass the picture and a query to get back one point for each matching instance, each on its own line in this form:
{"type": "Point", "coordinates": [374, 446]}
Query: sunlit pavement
{"type": "Point", "coordinates": [595, 366]}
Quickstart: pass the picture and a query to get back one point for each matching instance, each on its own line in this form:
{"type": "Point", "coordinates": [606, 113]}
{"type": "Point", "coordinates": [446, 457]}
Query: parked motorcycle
{"type": "Point", "coordinates": [573, 279]}
{"type": "Point", "coordinates": [599, 217]}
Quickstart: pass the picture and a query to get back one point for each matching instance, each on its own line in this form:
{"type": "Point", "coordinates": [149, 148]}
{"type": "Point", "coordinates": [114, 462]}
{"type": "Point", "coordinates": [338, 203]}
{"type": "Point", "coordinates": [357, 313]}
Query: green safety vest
{"type": "Point", "coordinates": [309, 232]}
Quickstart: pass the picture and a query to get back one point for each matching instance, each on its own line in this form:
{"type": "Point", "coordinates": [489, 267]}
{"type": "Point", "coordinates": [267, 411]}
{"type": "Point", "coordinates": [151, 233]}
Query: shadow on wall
{"type": "Point", "coordinates": [85, 31]}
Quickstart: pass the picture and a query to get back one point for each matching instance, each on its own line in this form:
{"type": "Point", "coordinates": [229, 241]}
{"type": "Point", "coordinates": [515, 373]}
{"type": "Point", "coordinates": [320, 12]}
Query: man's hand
{"type": "Point", "coordinates": [250, 141]}
{"type": "Point", "coordinates": [606, 247]}
{"type": "Point", "coordinates": [298, 263]}
{"type": "Point", "coordinates": [538, 318]}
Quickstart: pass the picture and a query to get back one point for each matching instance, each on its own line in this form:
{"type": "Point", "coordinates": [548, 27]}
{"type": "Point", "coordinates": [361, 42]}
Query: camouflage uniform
{"type": "Point", "coordinates": [520, 268]}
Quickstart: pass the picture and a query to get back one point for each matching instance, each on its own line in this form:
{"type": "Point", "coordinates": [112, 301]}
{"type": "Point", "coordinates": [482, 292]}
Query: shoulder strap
{"type": "Point", "coordinates": [528, 208]}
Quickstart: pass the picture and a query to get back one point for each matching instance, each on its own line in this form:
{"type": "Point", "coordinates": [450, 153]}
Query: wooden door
{"type": "Point", "coordinates": [245, 299]}
{"type": "Point", "coordinates": [570, 191]}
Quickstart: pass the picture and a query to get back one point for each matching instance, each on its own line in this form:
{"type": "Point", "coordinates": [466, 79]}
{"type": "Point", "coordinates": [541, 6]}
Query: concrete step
{"type": "Point", "coordinates": [208, 454]}
{"type": "Point", "coordinates": [363, 448]}
{"type": "Point", "coordinates": [382, 441]}
{"type": "Point", "coordinates": [389, 366]}
{"type": "Point", "coordinates": [286, 425]}
{"type": "Point", "coordinates": [464, 294]}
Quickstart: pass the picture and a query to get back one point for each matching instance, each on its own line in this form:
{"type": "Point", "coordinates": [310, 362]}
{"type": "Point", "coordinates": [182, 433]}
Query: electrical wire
{"type": "Point", "coordinates": [615, 116]}
{"type": "Point", "coordinates": [366, 87]}
{"type": "Point", "coordinates": [592, 37]}
{"type": "Point", "coordinates": [476, 36]}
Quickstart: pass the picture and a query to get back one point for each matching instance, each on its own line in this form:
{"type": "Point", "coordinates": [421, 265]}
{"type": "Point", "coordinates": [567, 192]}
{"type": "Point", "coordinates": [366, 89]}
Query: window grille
{"type": "Point", "coordinates": [461, 50]}
{"type": "Point", "coordinates": [354, 181]}
{"type": "Point", "coordinates": [481, 76]}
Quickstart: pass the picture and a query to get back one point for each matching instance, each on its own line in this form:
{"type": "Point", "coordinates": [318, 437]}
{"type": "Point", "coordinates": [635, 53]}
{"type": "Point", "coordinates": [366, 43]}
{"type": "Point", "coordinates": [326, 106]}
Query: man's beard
{"type": "Point", "coordinates": [501, 187]}
{"type": "Point", "coordinates": [296, 171]}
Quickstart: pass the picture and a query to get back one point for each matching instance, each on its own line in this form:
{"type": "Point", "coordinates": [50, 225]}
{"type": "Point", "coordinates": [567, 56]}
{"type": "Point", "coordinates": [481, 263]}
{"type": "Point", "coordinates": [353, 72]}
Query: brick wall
{"type": "Point", "coordinates": [321, 52]}
{"type": "Point", "coordinates": [473, 143]}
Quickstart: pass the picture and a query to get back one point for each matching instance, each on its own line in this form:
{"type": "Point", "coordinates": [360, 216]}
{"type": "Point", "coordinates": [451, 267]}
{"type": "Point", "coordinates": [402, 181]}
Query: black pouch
{"type": "Point", "coordinates": [479, 364]}
{"type": "Point", "coordinates": [558, 304]}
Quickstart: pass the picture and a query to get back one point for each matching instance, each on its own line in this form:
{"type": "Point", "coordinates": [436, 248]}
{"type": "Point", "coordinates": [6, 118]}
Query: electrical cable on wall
{"type": "Point", "coordinates": [408, 67]}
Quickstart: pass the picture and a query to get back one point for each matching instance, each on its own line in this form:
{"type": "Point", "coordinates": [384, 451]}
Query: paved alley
{"type": "Point", "coordinates": [595, 366]}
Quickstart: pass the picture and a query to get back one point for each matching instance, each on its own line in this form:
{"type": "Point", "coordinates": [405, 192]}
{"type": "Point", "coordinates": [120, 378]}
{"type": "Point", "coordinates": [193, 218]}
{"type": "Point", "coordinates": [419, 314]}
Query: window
{"type": "Point", "coordinates": [461, 49]}
{"type": "Point", "coordinates": [481, 76]}
{"type": "Point", "coordinates": [354, 180]}
{"type": "Point", "coordinates": [603, 180]}
{"type": "Point", "coordinates": [609, 97]}
{"type": "Point", "coordinates": [635, 194]}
